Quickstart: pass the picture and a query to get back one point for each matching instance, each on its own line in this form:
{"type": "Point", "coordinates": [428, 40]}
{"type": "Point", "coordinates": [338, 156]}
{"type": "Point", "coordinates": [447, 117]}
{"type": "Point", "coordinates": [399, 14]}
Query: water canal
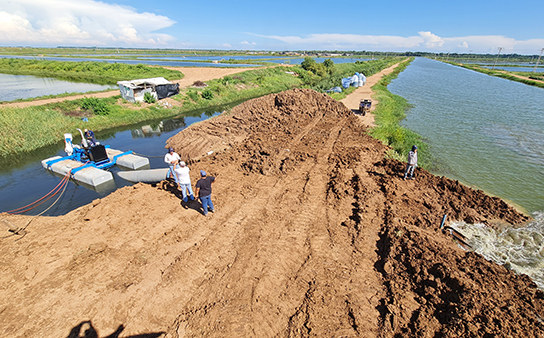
{"type": "Point", "coordinates": [484, 131]}
{"type": "Point", "coordinates": [23, 180]}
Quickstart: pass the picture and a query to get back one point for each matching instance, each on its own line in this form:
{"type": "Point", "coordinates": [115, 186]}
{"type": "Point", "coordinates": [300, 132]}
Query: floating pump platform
{"type": "Point", "coordinates": [92, 171]}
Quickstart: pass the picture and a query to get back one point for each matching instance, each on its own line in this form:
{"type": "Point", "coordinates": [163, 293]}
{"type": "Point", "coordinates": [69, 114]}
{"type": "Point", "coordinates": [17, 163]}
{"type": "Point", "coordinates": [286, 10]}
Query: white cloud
{"type": "Point", "coordinates": [248, 43]}
{"type": "Point", "coordinates": [431, 40]}
{"type": "Point", "coordinates": [424, 41]}
{"type": "Point", "coordinates": [226, 45]}
{"type": "Point", "coordinates": [82, 22]}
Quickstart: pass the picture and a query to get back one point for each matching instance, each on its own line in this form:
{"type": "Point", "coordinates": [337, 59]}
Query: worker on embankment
{"type": "Point", "coordinates": [412, 163]}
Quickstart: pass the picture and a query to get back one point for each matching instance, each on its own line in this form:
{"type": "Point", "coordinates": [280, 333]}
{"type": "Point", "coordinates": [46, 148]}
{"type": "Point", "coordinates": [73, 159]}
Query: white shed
{"type": "Point", "coordinates": [159, 87]}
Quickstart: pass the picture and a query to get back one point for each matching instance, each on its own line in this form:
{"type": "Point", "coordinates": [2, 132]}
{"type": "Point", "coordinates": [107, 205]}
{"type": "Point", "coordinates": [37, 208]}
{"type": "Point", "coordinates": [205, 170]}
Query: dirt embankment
{"type": "Point", "coordinates": [315, 234]}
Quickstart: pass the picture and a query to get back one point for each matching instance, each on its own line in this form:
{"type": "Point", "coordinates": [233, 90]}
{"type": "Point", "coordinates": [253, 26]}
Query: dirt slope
{"type": "Point", "coordinates": [315, 234]}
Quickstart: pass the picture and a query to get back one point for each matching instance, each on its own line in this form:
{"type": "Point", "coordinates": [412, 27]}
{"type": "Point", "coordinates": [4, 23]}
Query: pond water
{"type": "Point", "coordinates": [484, 131]}
{"type": "Point", "coordinates": [23, 180]}
{"type": "Point", "coordinates": [213, 57]}
{"type": "Point", "coordinates": [298, 61]}
{"type": "Point", "coordinates": [518, 69]}
{"type": "Point", "coordinates": [25, 86]}
{"type": "Point", "coordinates": [133, 62]}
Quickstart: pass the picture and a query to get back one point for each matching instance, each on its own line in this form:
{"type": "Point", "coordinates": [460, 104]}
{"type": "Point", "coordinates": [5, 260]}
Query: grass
{"type": "Point", "coordinates": [388, 114]}
{"type": "Point", "coordinates": [502, 73]}
{"type": "Point", "coordinates": [24, 130]}
{"type": "Point", "coordinates": [88, 71]}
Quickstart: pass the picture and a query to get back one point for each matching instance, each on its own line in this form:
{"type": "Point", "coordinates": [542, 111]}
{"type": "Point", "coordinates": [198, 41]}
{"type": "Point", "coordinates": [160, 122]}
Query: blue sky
{"type": "Point", "coordinates": [433, 26]}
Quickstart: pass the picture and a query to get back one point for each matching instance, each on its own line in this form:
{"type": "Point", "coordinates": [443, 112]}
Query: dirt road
{"type": "Point", "coordinates": [314, 234]}
{"type": "Point", "coordinates": [365, 92]}
{"type": "Point", "coordinates": [192, 74]}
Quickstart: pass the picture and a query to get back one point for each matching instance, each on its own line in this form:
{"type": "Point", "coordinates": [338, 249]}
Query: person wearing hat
{"type": "Point", "coordinates": [184, 181]}
{"type": "Point", "coordinates": [412, 163]}
{"type": "Point", "coordinates": [171, 158]}
{"type": "Point", "coordinates": [203, 189]}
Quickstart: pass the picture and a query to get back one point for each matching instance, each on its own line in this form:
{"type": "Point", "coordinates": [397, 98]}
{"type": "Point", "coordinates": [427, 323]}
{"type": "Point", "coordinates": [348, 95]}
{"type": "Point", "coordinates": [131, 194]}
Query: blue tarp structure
{"type": "Point", "coordinates": [335, 90]}
{"type": "Point", "coordinates": [356, 80]}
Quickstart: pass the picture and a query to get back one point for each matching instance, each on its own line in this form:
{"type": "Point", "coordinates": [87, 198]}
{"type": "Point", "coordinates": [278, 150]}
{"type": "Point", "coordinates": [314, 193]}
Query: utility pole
{"type": "Point", "coordinates": [534, 70]}
{"type": "Point", "coordinates": [500, 48]}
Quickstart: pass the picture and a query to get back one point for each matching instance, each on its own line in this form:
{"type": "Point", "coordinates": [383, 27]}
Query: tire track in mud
{"type": "Point", "coordinates": [259, 265]}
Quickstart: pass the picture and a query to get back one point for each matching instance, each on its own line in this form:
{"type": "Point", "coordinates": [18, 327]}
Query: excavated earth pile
{"type": "Point", "coordinates": [315, 234]}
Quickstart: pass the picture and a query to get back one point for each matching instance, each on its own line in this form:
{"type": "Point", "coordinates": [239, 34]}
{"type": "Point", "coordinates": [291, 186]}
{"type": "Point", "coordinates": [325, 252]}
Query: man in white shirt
{"type": "Point", "coordinates": [171, 159]}
{"type": "Point", "coordinates": [184, 181]}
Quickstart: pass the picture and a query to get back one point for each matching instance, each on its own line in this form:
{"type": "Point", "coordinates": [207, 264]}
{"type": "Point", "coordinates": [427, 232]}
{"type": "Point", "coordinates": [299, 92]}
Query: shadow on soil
{"type": "Point", "coordinates": [85, 329]}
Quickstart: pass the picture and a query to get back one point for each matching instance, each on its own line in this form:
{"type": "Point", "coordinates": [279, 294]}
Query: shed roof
{"type": "Point", "coordinates": [154, 81]}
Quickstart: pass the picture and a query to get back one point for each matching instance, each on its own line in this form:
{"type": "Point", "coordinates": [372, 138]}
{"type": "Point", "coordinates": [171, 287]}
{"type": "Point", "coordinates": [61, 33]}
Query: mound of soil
{"type": "Point", "coordinates": [315, 234]}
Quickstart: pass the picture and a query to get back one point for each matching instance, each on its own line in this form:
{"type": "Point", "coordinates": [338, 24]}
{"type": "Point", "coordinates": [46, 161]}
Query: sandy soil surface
{"type": "Point", "coordinates": [315, 234]}
{"type": "Point", "coordinates": [192, 74]}
{"type": "Point", "coordinates": [365, 92]}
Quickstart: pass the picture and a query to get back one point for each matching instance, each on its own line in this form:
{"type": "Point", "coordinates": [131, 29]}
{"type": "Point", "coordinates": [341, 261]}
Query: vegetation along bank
{"type": "Point", "coordinates": [27, 129]}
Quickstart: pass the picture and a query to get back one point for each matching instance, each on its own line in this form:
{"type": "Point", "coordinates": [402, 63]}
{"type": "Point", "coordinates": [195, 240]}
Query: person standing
{"type": "Point", "coordinates": [412, 163]}
{"type": "Point", "coordinates": [203, 189]}
{"type": "Point", "coordinates": [171, 158]}
{"type": "Point", "coordinates": [184, 181]}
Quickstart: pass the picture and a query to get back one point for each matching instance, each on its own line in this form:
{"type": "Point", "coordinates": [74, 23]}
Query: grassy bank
{"type": "Point", "coordinates": [93, 72]}
{"type": "Point", "coordinates": [27, 129]}
{"type": "Point", "coordinates": [502, 73]}
{"type": "Point", "coordinates": [388, 114]}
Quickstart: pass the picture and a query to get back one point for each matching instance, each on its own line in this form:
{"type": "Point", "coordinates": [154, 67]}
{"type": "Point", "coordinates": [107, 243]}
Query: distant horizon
{"type": "Point", "coordinates": [245, 51]}
{"type": "Point", "coordinates": [474, 27]}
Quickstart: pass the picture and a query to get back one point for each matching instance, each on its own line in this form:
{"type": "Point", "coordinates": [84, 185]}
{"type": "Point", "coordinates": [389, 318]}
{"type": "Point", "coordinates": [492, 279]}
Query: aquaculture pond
{"type": "Point", "coordinates": [25, 86]}
{"type": "Point", "coordinates": [133, 62]}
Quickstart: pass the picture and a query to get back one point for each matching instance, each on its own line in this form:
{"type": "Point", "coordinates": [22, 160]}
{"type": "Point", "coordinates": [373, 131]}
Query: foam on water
{"type": "Point", "coordinates": [518, 249]}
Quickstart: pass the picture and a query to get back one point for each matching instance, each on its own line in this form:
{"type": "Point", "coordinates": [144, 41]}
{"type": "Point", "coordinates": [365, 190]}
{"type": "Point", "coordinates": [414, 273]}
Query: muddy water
{"type": "Point", "coordinates": [519, 249]}
{"type": "Point", "coordinates": [484, 131]}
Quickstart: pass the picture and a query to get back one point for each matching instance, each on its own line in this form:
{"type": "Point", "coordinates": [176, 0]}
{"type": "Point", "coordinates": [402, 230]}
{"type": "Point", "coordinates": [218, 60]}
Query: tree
{"type": "Point", "coordinates": [308, 63]}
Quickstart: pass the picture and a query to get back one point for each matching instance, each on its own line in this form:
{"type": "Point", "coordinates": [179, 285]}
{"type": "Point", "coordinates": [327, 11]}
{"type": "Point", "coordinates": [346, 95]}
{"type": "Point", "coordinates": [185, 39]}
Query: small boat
{"type": "Point", "coordinates": [89, 164]}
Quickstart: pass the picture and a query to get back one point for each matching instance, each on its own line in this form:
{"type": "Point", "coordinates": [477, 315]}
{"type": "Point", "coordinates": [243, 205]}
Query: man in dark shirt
{"type": "Point", "coordinates": [203, 190]}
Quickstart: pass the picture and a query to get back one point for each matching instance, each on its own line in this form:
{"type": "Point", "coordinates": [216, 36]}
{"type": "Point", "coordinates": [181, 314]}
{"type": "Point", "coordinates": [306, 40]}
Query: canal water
{"type": "Point", "coordinates": [484, 131]}
{"type": "Point", "coordinates": [25, 86]}
{"type": "Point", "coordinates": [23, 180]}
{"type": "Point", "coordinates": [488, 133]}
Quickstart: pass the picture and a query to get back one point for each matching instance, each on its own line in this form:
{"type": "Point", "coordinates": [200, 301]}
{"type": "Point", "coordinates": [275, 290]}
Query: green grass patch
{"type": "Point", "coordinates": [500, 73]}
{"type": "Point", "coordinates": [88, 71]}
{"type": "Point", "coordinates": [388, 114]}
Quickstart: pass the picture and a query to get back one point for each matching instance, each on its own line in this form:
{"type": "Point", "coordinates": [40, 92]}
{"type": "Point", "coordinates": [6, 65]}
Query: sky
{"type": "Point", "coordinates": [417, 26]}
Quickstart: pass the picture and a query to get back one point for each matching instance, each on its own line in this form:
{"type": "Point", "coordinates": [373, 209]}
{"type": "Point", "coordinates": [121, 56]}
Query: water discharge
{"type": "Point", "coordinates": [519, 249]}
